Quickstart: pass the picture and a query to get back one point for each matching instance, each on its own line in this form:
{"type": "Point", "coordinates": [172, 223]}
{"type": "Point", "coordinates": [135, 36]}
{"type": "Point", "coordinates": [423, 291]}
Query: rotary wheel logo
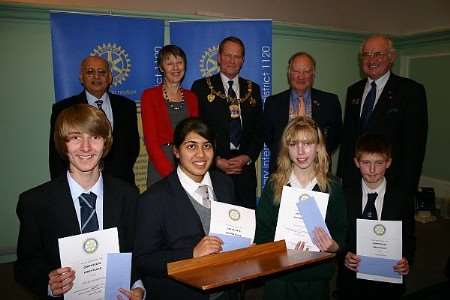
{"type": "Point", "coordinates": [304, 197]}
{"type": "Point", "coordinates": [208, 62]}
{"type": "Point", "coordinates": [234, 214]}
{"type": "Point", "coordinates": [118, 60]}
{"type": "Point", "coordinates": [379, 229]}
{"type": "Point", "coordinates": [90, 245]}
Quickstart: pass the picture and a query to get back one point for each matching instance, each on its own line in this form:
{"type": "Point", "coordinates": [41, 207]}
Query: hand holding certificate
{"type": "Point", "coordinates": [86, 254]}
{"type": "Point", "coordinates": [118, 274]}
{"type": "Point", "coordinates": [301, 212]}
{"type": "Point", "coordinates": [379, 246]}
{"type": "Point", "coordinates": [234, 225]}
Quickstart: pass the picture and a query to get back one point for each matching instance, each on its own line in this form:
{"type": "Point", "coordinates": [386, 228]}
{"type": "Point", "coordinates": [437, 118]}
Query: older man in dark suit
{"type": "Point", "coordinates": [390, 105]}
{"type": "Point", "coordinates": [81, 200]}
{"type": "Point", "coordinates": [300, 100]}
{"type": "Point", "coordinates": [231, 106]}
{"type": "Point", "coordinates": [96, 76]}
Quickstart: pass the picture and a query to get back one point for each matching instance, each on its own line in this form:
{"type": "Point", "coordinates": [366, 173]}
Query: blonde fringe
{"type": "Point", "coordinates": [285, 166]}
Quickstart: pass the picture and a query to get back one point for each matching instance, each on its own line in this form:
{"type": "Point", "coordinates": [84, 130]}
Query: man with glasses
{"type": "Point", "coordinates": [301, 100]}
{"type": "Point", "coordinates": [96, 77]}
{"type": "Point", "coordinates": [385, 104]}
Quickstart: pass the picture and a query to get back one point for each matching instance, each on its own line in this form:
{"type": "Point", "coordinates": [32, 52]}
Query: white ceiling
{"type": "Point", "coordinates": [399, 17]}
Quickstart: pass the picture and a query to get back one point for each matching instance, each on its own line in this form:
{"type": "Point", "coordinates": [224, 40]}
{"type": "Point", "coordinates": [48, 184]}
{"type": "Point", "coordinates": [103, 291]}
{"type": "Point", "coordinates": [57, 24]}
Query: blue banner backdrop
{"type": "Point", "coordinates": [129, 44]}
{"type": "Point", "coordinates": [200, 40]}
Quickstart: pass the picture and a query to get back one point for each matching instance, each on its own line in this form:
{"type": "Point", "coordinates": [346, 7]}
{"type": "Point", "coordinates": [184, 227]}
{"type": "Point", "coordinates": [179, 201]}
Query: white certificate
{"type": "Point", "coordinates": [86, 254]}
{"type": "Point", "coordinates": [379, 245]}
{"type": "Point", "coordinates": [290, 224]}
{"type": "Point", "coordinates": [235, 225]}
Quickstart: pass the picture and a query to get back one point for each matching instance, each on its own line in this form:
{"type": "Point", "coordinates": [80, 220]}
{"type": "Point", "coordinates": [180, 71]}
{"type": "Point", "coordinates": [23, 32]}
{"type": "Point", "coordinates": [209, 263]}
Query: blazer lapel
{"type": "Point", "coordinates": [182, 199]}
{"type": "Point", "coordinates": [358, 203]}
{"type": "Point", "coordinates": [82, 97]}
{"type": "Point", "coordinates": [315, 105]}
{"type": "Point", "coordinates": [285, 100]}
{"type": "Point", "coordinates": [391, 204]}
{"type": "Point", "coordinates": [383, 101]}
{"type": "Point", "coordinates": [111, 214]}
{"type": "Point", "coordinates": [64, 210]}
{"type": "Point", "coordinates": [355, 102]}
{"type": "Point", "coordinates": [217, 83]}
{"type": "Point", "coordinates": [115, 107]}
{"type": "Point", "coordinates": [244, 105]}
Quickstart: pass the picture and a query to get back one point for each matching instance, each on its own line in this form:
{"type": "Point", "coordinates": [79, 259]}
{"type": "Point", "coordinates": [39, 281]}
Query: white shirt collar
{"type": "Point", "coordinates": [76, 189]}
{"type": "Point", "coordinates": [191, 186]}
{"type": "Point", "coordinates": [91, 98]}
{"type": "Point", "coordinates": [379, 201]}
{"type": "Point", "coordinates": [235, 80]}
{"type": "Point", "coordinates": [378, 189]}
{"type": "Point", "coordinates": [293, 181]}
{"type": "Point", "coordinates": [381, 82]}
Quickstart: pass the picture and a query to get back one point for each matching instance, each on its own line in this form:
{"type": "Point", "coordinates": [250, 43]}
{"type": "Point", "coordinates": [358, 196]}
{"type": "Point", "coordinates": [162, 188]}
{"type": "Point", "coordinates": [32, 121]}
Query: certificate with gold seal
{"type": "Point", "coordinates": [379, 245]}
{"type": "Point", "coordinates": [292, 224]}
{"type": "Point", "coordinates": [234, 225]}
{"type": "Point", "coordinates": [86, 254]}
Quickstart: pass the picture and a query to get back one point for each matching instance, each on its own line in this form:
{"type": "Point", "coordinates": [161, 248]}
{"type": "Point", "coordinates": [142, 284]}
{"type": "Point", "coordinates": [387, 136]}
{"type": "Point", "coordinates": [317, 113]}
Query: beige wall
{"type": "Point", "coordinates": [387, 16]}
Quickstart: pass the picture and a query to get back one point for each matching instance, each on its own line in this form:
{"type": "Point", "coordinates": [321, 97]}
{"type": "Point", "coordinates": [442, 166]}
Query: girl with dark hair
{"type": "Point", "coordinates": [173, 216]}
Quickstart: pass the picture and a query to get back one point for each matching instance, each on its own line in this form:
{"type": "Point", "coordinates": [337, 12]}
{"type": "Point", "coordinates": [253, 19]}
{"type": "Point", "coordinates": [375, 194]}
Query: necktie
{"type": "Point", "coordinates": [89, 220]}
{"type": "Point", "coordinates": [99, 104]}
{"type": "Point", "coordinates": [368, 105]}
{"type": "Point", "coordinates": [370, 212]}
{"type": "Point", "coordinates": [202, 190]}
{"type": "Point", "coordinates": [301, 106]}
{"type": "Point", "coordinates": [231, 92]}
{"type": "Point", "coordinates": [235, 113]}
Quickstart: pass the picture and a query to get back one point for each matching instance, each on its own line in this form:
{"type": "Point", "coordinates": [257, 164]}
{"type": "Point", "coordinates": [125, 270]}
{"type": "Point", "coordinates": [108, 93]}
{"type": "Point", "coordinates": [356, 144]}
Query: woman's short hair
{"type": "Point", "coordinates": [168, 50]}
{"type": "Point", "coordinates": [83, 118]}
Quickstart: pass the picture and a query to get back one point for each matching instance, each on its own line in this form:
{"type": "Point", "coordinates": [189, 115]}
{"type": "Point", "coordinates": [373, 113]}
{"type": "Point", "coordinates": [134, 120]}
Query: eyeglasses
{"type": "Point", "coordinates": [376, 55]}
{"type": "Point", "coordinates": [93, 72]}
{"type": "Point", "coordinates": [306, 72]}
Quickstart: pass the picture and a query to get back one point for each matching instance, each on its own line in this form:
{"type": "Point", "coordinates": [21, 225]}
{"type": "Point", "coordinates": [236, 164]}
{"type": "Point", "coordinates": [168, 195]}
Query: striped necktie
{"type": "Point", "coordinates": [89, 220]}
{"type": "Point", "coordinates": [99, 104]}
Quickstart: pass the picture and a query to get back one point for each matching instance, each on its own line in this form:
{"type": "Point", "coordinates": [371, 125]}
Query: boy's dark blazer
{"type": "Point", "coordinates": [47, 213]}
{"type": "Point", "coordinates": [396, 207]}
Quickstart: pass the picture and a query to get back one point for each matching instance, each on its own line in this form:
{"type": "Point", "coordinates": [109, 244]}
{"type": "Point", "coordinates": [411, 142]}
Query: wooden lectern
{"type": "Point", "coordinates": [240, 265]}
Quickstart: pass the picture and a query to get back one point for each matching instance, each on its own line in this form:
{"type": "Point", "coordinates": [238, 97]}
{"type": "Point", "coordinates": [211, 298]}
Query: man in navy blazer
{"type": "Point", "coordinates": [301, 99]}
{"type": "Point", "coordinates": [54, 209]}
{"type": "Point", "coordinates": [96, 76]}
{"type": "Point", "coordinates": [173, 218]}
{"type": "Point", "coordinates": [225, 100]}
{"type": "Point", "coordinates": [398, 111]}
